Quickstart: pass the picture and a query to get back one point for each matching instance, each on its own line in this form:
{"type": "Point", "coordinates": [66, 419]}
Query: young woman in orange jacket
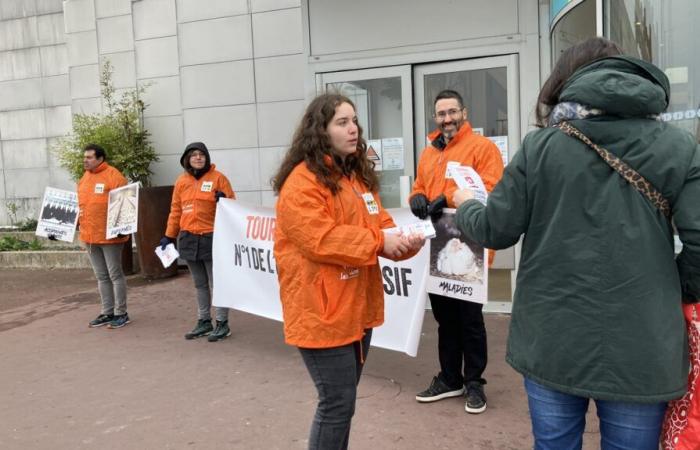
{"type": "Point", "coordinates": [191, 221]}
{"type": "Point", "coordinates": [328, 237]}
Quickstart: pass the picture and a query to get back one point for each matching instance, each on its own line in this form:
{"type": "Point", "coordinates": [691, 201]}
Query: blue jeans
{"type": "Point", "coordinates": [336, 372]}
{"type": "Point", "coordinates": [558, 421]}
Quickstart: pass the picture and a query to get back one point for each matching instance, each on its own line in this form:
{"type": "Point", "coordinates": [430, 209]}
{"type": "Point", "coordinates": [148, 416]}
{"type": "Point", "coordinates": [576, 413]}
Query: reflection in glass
{"type": "Point", "coordinates": [663, 33]}
{"type": "Point", "coordinates": [379, 112]}
{"type": "Point", "coordinates": [576, 26]}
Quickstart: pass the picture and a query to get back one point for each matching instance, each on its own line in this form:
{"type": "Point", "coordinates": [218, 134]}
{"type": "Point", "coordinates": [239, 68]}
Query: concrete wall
{"type": "Point", "coordinates": [229, 73]}
{"type": "Point", "coordinates": [34, 102]}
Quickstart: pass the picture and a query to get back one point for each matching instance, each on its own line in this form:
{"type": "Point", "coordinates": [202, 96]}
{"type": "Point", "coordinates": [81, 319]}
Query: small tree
{"type": "Point", "coordinates": [119, 131]}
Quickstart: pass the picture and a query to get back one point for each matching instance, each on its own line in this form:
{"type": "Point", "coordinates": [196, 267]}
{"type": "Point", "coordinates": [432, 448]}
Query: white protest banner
{"type": "Point", "coordinates": [123, 210]}
{"type": "Point", "coordinates": [59, 214]}
{"type": "Point", "coordinates": [458, 266]}
{"type": "Point", "coordinates": [245, 274]}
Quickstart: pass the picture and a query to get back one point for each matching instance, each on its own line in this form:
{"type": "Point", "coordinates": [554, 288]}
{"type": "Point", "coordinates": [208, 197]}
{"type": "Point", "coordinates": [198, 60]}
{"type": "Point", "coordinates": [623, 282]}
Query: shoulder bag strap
{"type": "Point", "coordinates": [632, 176]}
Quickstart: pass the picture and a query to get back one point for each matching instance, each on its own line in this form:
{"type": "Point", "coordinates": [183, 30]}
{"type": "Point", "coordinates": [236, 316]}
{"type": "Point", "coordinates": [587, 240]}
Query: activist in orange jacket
{"type": "Point", "coordinates": [191, 221]}
{"type": "Point", "coordinates": [105, 254]}
{"type": "Point", "coordinates": [93, 197]}
{"type": "Point", "coordinates": [328, 236]}
{"type": "Point", "coordinates": [462, 343]}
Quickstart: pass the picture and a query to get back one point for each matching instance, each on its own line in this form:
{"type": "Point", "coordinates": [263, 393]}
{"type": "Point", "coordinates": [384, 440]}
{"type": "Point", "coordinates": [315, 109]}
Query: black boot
{"type": "Point", "coordinates": [222, 331]}
{"type": "Point", "coordinates": [202, 328]}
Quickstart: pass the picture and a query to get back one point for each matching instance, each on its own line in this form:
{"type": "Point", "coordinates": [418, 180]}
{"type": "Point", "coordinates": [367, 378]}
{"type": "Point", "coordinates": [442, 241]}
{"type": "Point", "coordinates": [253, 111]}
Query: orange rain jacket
{"type": "Point", "coordinates": [468, 149]}
{"type": "Point", "coordinates": [93, 197]}
{"type": "Point", "coordinates": [193, 205]}
{"type": "Point", "coordinates": [326, 249]}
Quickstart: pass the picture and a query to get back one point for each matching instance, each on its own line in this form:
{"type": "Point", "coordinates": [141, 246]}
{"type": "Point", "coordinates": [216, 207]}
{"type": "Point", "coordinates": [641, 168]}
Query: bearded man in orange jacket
{"type": "Point", "coordinates": [461, 333]}
{"type": "Point", "coordinates": [105, 254]}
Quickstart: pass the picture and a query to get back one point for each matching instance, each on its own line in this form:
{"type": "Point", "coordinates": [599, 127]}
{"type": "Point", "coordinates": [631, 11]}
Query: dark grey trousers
{"type": "Point", "coordinates": [335, 372]}
{"type": "Point", "coordinates": [106, 262]}
{"type": "Point", "coordinates": [202, 276]}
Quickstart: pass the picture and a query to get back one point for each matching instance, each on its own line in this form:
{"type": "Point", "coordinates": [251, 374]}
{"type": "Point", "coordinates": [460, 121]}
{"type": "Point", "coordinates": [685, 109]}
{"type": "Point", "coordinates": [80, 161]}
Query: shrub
{"type": "Point", "coordinates": [119, 131]}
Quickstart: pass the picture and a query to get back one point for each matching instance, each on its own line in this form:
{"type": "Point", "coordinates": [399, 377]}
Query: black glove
{"type": "Point", "coordinates": [121, 235]}
{"type": "Point", "coordinates": [435, 207]}
{"type": "Point", "coordinates": [52, 237]}
{"type": "Point", "coordinates": [218, 195]}
{"type": "Point", "coordinates": [419, 206]}
{"type": "Point", "coordinates": [164, 241]}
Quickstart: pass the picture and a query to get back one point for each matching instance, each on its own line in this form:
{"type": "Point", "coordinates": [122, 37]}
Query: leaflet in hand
{"type": "Point", "coordinates": [466, 178]}
{"type": "Point", "coordinates": [423, 227]}
{"type": "Point", "coordinates": [168, 255]}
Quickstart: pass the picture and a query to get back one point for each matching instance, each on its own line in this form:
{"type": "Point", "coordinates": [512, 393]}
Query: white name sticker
{"type": "Point", "coordinates": [99, 188]}
{"type": "Point", "coordinates": [370, 203]}
{"type": "Point", "coordinates": [207, 185]}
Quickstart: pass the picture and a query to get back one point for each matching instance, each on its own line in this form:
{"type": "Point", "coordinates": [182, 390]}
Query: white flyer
{"type": "Point", "coordinates": [167, 256]}
{"type": "Point", "coordinates": [392, 154]}
{"type": "Point", "coordinates": [466, 178]}
{"type": "Point", "coordinates": [423, 227]}
{"type": "Point", "coordinates": [59, 214]}
{"type": "Point", "coordinates": [123, 210]}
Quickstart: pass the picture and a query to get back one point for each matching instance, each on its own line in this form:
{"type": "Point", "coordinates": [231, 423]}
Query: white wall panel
{"type": "Point", "coordinates": [154, 18]}
{"type": "Point", "coordinates": [18, 33]}
{"type": "Point", "coordinates": [56, 90]}
{"type": "Point", "coordinates": [124, 68]}
{"type": "Point", "coordinates": [240, 167]}
{"type": "Point", "coordinates": [108, 8]}
{"type": "Point", "coordinates": [54, 60]}
{"type": "Point", "coordinates": [25, 154]}
{"type": "Point", "coordinates": [278, 33]}
{"type": "Point", "coordinates": [48, 6]}
{"type": "Point", "coordinates": [269, 5]}
{"type": "Point", "coordinates": [20, 94]}
{"type": "Point", "coordinates": [58, 121]}
{"type": "Point", "coordinates": [17, 64]}
{"type": "Point", "coordinates": [115, 34]}
{"type": "Point", "coordinates": [229, 83]}
{"type": "Point", "coordinates": [50, 28]}
{"type": "Point", "coordinates": [222, 127]}
{"type": "Point", "coordinates": [215, 40]}
{"type": "Point", "coordinates": [191, 10]}
{"type": "Point", "coordinates": [82, 48]}
{"type": "Point", "coordinates": [277, 122]}
{"type": "Point", "coordinates": [60, 178]}
{"type": "Point", "coordinates": [249, 197]}
{"type": "Point", "coordinates": [26, 183]}
{"type": "Point", "coordinates": [280, 78]}
{"type": "Point", "coordinates": [162, 96]}
{"type": "Point", "coordinates": [166, 134]}
{"type": "Point", "coordinates": [166, 171]}
{"type": "Point", "coordinates": [270, 160]}
{"type": "Point", "coordinates": [400, 23]}
{"type": "Point", "coordinates": [15, 9]}
{"type": "Point", "coordinates": [79, 15]}
{"type": "Point", "coordinates": [26, 124]}
{"type": "Point", "coordinates": [87, 106]}
{"type": "Point", "coordinates": [268, 199]}
{"type": "Point", "coordinates": [157, 58]}
{"type": "Point", "coordinates": [85, 81]}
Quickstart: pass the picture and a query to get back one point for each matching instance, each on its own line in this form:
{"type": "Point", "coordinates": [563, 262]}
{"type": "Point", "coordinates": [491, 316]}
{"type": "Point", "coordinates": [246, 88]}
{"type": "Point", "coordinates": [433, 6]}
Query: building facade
{"type": "Point", "coordinates": [236, 74]}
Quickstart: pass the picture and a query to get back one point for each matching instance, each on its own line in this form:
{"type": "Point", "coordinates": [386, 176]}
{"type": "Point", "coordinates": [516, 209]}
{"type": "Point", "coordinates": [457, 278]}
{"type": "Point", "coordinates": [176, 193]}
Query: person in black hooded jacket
{"type": "Point", "coordinates": [191, 222]}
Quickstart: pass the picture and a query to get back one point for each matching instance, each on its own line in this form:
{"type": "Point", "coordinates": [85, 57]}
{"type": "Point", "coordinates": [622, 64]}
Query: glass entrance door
{"type": "Point", "coordinates": [489, 87]}
{"type": "Point", "coordinates": [382, 98]}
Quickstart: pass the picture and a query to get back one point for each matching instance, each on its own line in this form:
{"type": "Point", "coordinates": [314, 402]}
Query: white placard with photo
{"type": "Point", "coordinates": [59, 214]}
{"type": "Point", "coordinates": [123, 210]}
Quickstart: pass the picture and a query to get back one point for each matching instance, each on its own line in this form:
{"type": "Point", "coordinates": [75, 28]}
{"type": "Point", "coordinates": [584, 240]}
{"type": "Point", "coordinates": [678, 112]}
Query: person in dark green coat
{"type": "Point", "coordinates": [597, 304]}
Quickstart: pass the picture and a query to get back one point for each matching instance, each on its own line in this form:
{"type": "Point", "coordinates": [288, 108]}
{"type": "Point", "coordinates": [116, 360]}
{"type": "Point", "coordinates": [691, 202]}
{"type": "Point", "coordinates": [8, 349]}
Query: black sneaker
{"type": "Point", "coordinates": [202, 328]}
{"type": "Point", "coordinates": [476, 399]}
{"type": "Point", "coordinates": [119, 321]}
{"type": "Point", "coordinates": [222, 331]}
{"type": "Point", "coordinates": [102, 319]}
{"type": "Point", "coordinates": [437, 391]}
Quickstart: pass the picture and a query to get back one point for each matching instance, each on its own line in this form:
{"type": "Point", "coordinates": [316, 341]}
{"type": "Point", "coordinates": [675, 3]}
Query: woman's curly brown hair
{"type": "Point", "coordinates": [311, 144]}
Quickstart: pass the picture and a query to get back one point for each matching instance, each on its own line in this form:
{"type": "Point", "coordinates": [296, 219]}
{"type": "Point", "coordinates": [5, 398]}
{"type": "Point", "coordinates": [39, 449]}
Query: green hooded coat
{"type": "Point", "coordinates": [597, 304]}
